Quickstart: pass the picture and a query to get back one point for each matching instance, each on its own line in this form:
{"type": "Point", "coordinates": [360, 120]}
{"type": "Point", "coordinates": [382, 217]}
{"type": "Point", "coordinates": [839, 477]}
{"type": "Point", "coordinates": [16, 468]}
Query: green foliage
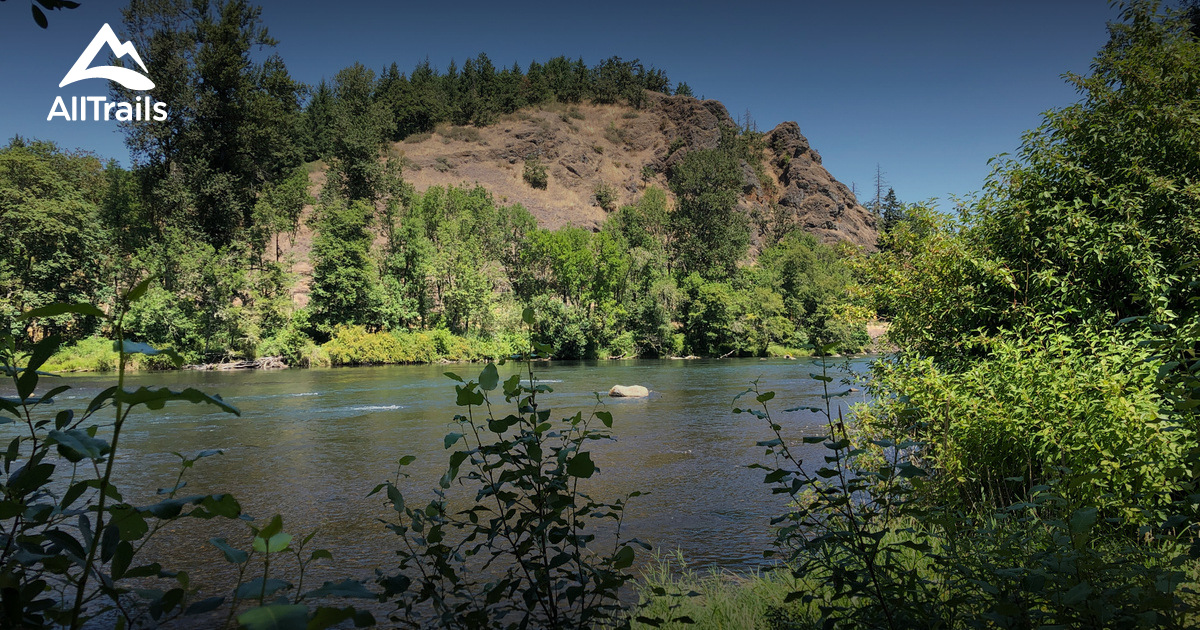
{"type": "Point", "coordinates": [1109, 433]}
{"type": "Point", "coordinates": [710, 235]}
{"type": "Point", "coordinates": [360, 126]}
{"type": "Point", "coordinates": [606, 197]}
{"type": "Point", "coordinates": [70, 540]}
{"type": "Point", "coordinates": [478, 92]}
{"type": "Point", "coordinates": [530, 520]}
{"type": "Point", "coordinates": [869, 549]}
{"type": "Point", "coordinates": [51, 251]}
{"type": "Point", "coordinates": [204, 166]}
{"type": "Point", "coordinates": [1074, 228]}
{"type": "Point", "coordinates": [354, 345]}
{"type": "Point", "coordinates": [344, 278]}
{"type": "Point", "coordinates": [535, 173]}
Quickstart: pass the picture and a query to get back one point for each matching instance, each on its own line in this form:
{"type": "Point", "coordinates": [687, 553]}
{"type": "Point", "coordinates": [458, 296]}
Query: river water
{"type": "Point", "coordinates": [311, 444]}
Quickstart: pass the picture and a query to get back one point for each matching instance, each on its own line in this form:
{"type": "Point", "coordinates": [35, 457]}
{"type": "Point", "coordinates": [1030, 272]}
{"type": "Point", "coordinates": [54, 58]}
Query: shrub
{"type": "Point", "coordinates": [93, 354]}
{"type": "Point", "coordinates": [1041, 407]}
{"type": "Point", "coordinates": [535, 173]}
{"type": "Point", "coordinates": [614, 134]}
{"type": "Point", "coordinates": [605, 196]}
{"type": "Point", "coordinates": [462, 134]}
{"type": "Point", "coordinates": [529, 519]}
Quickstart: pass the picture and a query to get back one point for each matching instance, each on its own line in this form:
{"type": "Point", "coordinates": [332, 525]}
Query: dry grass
{"type": "Point", "coordinates": [564, 138]}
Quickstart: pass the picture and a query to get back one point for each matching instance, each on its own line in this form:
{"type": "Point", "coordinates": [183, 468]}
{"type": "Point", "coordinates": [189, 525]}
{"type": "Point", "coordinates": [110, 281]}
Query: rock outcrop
{"type": "Point", "coordinates": [811, 198]}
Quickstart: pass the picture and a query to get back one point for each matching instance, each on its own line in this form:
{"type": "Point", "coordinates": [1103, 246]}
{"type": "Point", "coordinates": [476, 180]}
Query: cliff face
{"type": "Point", "coordinates": [588, 146]}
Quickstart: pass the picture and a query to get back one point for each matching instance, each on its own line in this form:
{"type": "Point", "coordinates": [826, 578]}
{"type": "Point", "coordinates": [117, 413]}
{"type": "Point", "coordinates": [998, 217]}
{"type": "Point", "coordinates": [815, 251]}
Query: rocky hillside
{"type": "Point", "coordinates": [587, 146]}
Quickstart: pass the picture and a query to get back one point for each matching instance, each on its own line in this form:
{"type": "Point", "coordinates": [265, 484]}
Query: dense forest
{"type": "Point", "coordinates": [219, 190]}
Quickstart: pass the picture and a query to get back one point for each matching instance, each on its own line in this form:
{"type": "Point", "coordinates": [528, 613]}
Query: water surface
{"type": "Point", "coordinates": [310, 445]}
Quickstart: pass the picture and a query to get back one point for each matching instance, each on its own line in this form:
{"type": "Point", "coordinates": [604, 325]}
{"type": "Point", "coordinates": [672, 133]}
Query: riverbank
{"type": "Point", "coordinates": [355, 346]}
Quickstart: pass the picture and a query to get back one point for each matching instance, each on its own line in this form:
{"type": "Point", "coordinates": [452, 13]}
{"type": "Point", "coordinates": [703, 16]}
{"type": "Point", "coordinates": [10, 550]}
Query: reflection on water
{"type": "Point", "coordinates": [310, 444]}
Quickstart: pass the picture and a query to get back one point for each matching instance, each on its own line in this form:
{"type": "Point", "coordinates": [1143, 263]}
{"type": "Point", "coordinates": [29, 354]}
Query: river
{"type": "Point", "coordinates": [310, 445]}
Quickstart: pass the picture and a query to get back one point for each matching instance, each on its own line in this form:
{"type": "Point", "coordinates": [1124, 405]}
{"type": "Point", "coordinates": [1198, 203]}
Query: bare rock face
{"type": "Point", "coordinates": [812, 199]}
{"type": "Point", "coordinates": [687, 124]}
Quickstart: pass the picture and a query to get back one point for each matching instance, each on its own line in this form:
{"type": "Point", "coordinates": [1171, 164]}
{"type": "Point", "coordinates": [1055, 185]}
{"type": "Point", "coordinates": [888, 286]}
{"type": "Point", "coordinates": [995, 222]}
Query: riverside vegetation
{"type": "Point", "coordinates": [1028, 459]}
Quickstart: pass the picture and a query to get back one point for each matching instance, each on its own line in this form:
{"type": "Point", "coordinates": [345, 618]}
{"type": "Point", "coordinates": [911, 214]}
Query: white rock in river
{"type": "Point", "coordinates": [628, 391]}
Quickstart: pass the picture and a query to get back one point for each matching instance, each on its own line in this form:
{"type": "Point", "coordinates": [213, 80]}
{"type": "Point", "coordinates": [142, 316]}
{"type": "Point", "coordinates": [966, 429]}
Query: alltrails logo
{"type": "Point", "coordinates": [143, 107]}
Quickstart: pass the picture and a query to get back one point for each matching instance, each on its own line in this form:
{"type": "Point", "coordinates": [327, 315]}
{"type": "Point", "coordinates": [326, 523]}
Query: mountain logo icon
{"type": "Point", "coordinates": [125, 76]}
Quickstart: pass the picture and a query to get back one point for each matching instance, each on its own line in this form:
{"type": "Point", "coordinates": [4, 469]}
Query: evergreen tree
{"type": "Point", "coordinates": [344, 277]}
{"type": "Point", "coordinates": [891, 211]}
{"type": "Point", "coordinates": [361, 124]}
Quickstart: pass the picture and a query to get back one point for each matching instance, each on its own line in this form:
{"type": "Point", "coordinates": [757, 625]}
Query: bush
{"type": "Point", "coordinates": [535, 173]}
{"type": "Point", "coordinates": [615, 134]}
{"type": "Point", "coordinates": [529, 520]}
{"type": "Point", "coordinates": [354, 345]}
{"type": "Point", "coordinates": [295, 347]}
{"type": "Point", "coordinates": [462, 134]}
{"type": "Point", "coordinates": [605, 196]}
{"type": "Point", "coordinates": [1040, 408]}
{"type": "Point", "coordinates": [93, 354]}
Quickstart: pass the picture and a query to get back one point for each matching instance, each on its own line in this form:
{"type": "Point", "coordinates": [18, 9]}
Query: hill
{"type": "Point", "coordinates": [586, 147]}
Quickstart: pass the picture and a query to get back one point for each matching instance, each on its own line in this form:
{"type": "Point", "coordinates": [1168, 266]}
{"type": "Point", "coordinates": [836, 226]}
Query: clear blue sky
{"type": "Point", "coordinates": [928, 90]}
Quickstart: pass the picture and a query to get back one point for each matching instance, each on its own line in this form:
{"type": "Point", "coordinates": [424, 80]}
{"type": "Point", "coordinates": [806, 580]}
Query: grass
{"type": "Point", "coordinates": [672, 592]}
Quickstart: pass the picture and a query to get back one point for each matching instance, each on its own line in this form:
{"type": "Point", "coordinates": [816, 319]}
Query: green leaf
{"type": "Point", "coordinates": [1083, 520]}
{"type": "Point", "coordinates": [581, 466]}
{"type": "Point", "coordinates": [274, 526]}
{"type": "Point", "coordinates": [605, 417]}
{"type": "Point", "coordinates": [137, 347]}
{"type": "Point", "coordinates": [76, 445]}
{"type": "Point", "coordinates": [467, 396]}
{"type": "Point", "coordinates": [236, 556]}
{"type": "Point", "coordinates": [623, 558]}
{"type": "Point", "coordinates": [255, 587]}
{"type": "Point", "coordinates": [327, 617]}
{"type": "Point", "coordinates": [764, 397]}
{"type": "Point", "coordinates": [451, 439]}
{"type": "Point", "coordinates": [139, 289]}
{"type": "Point", "coordinates": [53, 310]}
{"type": "Point", "coordinates": [345, 588]}
{"type": "Point", "coordinates": [276, 543]}
{"type": "Point", "coordinates": [42, 351]}
{"type": "Point", "coordinates": [275, 617]}
{"type": "Point", "coordinates": [205, 605]}
{"type": "Point", "coordinates": [452, 375]}
{"type": "Point", "coordinates": [527, 316]}
{"type": "Point", "coordinates": [157, 398]}
{"type": "Point", "coordinates": [489, 378]}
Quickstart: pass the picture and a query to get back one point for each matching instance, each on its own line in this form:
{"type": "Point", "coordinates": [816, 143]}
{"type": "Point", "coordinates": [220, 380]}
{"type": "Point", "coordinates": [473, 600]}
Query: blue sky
{"type": "Point", "coordinates": [928, 90]}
